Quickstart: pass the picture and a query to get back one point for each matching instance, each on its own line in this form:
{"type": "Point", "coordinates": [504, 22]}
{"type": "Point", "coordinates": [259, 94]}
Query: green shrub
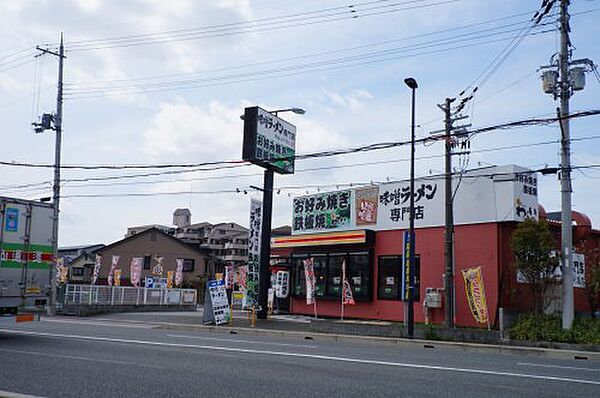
{"type": "Point", "coordinates": [534, 327]}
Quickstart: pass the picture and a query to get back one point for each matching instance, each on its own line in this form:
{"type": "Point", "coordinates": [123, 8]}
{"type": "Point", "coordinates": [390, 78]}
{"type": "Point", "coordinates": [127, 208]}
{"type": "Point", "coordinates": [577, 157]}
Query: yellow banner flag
{"type": "Point", "coordinates": [476, 294]}
{"type": "Point", "coordinates": [117, 277]}
{"type": "Point", "coordinates": [170, 275]}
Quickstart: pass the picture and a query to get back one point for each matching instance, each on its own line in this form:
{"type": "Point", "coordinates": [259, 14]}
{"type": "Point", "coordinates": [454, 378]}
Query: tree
{"type": "Point", "coordinates": [533, 245]}
{"type": "Point", "coordinates": [592, 278]}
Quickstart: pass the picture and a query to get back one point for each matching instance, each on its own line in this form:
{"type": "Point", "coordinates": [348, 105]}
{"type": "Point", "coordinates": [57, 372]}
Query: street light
{"type": "Point", "coordinates": [412, 84]}
{"type": "Point", "coordinates": [297, 111]}
{"type": "Point", "coordinates": [265, 240]}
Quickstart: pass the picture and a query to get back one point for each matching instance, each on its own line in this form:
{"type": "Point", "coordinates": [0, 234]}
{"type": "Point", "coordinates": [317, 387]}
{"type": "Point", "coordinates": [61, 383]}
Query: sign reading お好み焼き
{"type": "Point", "coordinates": [322, 212]}
{"type": "Point", "coordinates": [269, 141]}
{"type": "Point", "coordinates": [496, 194]}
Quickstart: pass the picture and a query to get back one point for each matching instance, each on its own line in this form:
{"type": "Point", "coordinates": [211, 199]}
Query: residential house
{"type": "Point", "coordinates": [151, 245]}
{"type": "Point", "coordinates": [80, 261]}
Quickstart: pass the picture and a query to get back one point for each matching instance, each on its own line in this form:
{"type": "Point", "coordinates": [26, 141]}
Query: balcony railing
{"type": "Point", "coordinates": [125, 295]}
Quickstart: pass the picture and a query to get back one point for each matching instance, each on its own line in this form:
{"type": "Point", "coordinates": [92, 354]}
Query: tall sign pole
{"type": "Point", "coordinates": [269, 142]}
{"type": "Point", "coordinates": [57, 163]}
{"type": "Point", "coordinates": [264, 278]}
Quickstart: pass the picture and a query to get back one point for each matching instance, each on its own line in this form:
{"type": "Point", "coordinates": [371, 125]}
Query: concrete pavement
{"type": "Point", "coordinates": [303, 326]}
{"type": "Point", "coordinates": [100, 357]}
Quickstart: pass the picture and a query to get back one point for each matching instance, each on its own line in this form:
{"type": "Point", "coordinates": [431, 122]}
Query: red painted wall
{"type": "Point", "coordinates": [476, 245]}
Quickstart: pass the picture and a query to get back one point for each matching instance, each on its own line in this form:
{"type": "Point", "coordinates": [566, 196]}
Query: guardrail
{"type": "Point", "coordinates": [125, 295]}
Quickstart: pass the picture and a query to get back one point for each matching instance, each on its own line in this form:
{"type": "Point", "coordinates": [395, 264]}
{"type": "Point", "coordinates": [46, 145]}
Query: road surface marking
{"type": "Point", "coordinates": [9, 394]}
{"type": "Point", "coordinates": [244, 341]}
{"type": "Point", "coordinates": [77, 358]}
{"type": "Point", "coordinates": [78, 322]}
{"type": "Point", "coordinates": [541, 365]}
{"type": "Point", "coordinates": [308, 356]}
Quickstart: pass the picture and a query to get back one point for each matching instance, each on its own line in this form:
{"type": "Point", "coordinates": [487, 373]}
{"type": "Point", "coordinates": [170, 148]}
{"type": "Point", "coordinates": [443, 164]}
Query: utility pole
{"type": "Point", "coordinates": [561, 80]}
{"type": "Point", "coordinates": [57, 118]}
{"type": "Point", "coordinates": [449, 219]}
{"type": "Point", "coordinates": [565, 170]}
{"type": "Point", "coordinates": [448, 137]}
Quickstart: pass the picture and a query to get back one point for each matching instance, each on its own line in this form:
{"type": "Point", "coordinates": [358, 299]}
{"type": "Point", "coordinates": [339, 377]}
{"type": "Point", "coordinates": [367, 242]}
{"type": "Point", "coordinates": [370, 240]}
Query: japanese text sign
{"type": "Point", "coordinates": [269, 141]}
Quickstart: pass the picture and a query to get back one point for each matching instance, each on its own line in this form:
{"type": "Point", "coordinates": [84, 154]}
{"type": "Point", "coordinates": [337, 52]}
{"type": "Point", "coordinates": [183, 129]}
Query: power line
{"type": "Point", "coordinates": [438, 45]}
{"type": "Point", "coordinates": [349, 12]}
{"type": "Point", "coordinates": [329, 153]}
{"type": "Point", "coordinates": [465, 174]}
{"type": "Point", "coordinates": [467, 95]}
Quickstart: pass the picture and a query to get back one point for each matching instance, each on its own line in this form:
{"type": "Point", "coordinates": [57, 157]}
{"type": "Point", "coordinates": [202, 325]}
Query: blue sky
{"type": "Point", "coordinates": [122, 105]}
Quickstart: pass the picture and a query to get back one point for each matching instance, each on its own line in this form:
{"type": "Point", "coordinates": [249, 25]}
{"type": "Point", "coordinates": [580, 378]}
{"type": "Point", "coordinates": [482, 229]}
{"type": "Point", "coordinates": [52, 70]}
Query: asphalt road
{"type": "Point", "coordinates": [100, 357]}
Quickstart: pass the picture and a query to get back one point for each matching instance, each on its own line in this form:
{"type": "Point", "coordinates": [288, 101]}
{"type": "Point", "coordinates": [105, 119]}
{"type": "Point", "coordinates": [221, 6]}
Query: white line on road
{"type": "Point", "coordinates": [243, 341]}
{"type": "Point", "coordinates": [77, 358]}
{"type": "Point", "coordinates": [308, 356]}
{"type": "Point", "coordinates": [541, 365]}
{"type": "Point", "coordinates": [9, 394]}
{"type": "Point", "coordinates": [115, 324]}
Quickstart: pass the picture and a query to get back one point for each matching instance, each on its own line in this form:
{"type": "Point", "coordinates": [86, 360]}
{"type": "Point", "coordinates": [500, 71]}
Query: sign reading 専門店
{"type": "Point", "coordinates": [495, 194]}
{"type": "Point", "coordinates": [269, 141]}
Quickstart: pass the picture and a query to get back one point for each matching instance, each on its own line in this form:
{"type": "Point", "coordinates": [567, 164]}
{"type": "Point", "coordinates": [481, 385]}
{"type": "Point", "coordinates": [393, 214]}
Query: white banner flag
{"type": "Point", "coordinates": [179, 272]}
{"type": "Point", "coordinates": [113, 265]}
{"type": "Point", "coordinates": [97, 265]}
{"type": "Point", "coordinates": [136, 271]}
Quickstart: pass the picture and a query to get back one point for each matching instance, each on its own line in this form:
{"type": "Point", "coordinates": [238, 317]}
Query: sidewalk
{"type": "Point", "coordinates": [381, 332]}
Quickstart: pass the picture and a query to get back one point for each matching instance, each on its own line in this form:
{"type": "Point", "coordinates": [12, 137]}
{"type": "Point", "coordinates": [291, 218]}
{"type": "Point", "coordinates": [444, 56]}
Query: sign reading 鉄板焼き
{"type": "Point", "coordinates": [497, 194]}
{"type": "Point", "coordinates": [269, 141]}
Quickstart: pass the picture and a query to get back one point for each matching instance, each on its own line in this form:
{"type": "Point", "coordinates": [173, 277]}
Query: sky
{"type": "Point", "coordinates": [151, 82]}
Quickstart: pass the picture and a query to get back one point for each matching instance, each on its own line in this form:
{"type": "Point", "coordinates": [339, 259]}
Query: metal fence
{"type": "Point", "coordinates": [125, 295]}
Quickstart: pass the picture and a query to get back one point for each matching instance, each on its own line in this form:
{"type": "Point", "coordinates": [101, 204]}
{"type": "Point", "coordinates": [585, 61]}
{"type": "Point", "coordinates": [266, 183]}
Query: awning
{"type": "Point", "coordinates": [328, 238]}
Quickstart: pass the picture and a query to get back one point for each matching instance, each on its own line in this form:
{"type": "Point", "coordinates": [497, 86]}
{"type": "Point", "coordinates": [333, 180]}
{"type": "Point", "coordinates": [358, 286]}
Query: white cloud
{"type": "Point", "coordinates": [89, 6]}
{"type": "Point", "coordinates": [194, 132]}
{"type": "Point", "coordinates": [354, 101]}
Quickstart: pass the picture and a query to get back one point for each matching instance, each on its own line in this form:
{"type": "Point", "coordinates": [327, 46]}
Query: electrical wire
{"type": "Point", "coordinates": [217, 165]}
{"type": "Point", "coordinates": [439, 45]}
{"type": "Point", "coordinates": [312, 55]}
{"type": "Point", "coordinates": [463, 174]}
{"type": "Point", "coordinates": [349, 12]}
{"type": "Point", "coordinates": [468, 94]}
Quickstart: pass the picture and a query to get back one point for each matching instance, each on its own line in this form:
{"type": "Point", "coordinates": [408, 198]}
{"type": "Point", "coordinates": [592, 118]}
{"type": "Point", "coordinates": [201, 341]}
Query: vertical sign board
{"type": "Point", "coordinates": [282, 284]}
{"type": "Point", "coordinates": [251, 298]}
{"type": "Point", "coordinates": [12, 220]}
{"type": "Point", "coordinates": [269, 141]}
{"type": "Point", "coordinates": [406, 267]}
{"type": "Point", "coordinates": [366, 203]}
{"type": "Point", "coordinates": [216, 306]}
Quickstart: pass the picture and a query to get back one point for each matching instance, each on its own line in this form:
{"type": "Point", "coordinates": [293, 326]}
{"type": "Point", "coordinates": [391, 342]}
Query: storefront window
{"type": "Point", "coordinates": [320, 264]}
{"type": "Point", "coordinates": [298, 279]}
{"type": "Point", "coordinates": [388, 280]}
{"type": "Point", "coordinates": [417, 296]}
{"type": "Point", "coordinates": [359, 275]}
{"type": "Point", "coordinates": [328, 274]}
{"type": "Point", "coordinates": [334, 282]}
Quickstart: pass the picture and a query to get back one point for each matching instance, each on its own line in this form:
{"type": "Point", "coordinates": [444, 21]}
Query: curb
{"type": "Point", "coordinates": [399, 342]}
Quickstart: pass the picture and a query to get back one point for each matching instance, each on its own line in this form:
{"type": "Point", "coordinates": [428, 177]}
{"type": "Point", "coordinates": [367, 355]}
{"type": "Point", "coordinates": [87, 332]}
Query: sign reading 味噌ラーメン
{"type": "Point", "coordinates": [269, 141]}
{"type": "Point", "coordinates": [496, 194]}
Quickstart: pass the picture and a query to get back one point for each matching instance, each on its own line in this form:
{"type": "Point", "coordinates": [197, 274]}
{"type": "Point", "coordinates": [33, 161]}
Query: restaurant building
{"type": "Point", "coordinates": [364, 227]}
